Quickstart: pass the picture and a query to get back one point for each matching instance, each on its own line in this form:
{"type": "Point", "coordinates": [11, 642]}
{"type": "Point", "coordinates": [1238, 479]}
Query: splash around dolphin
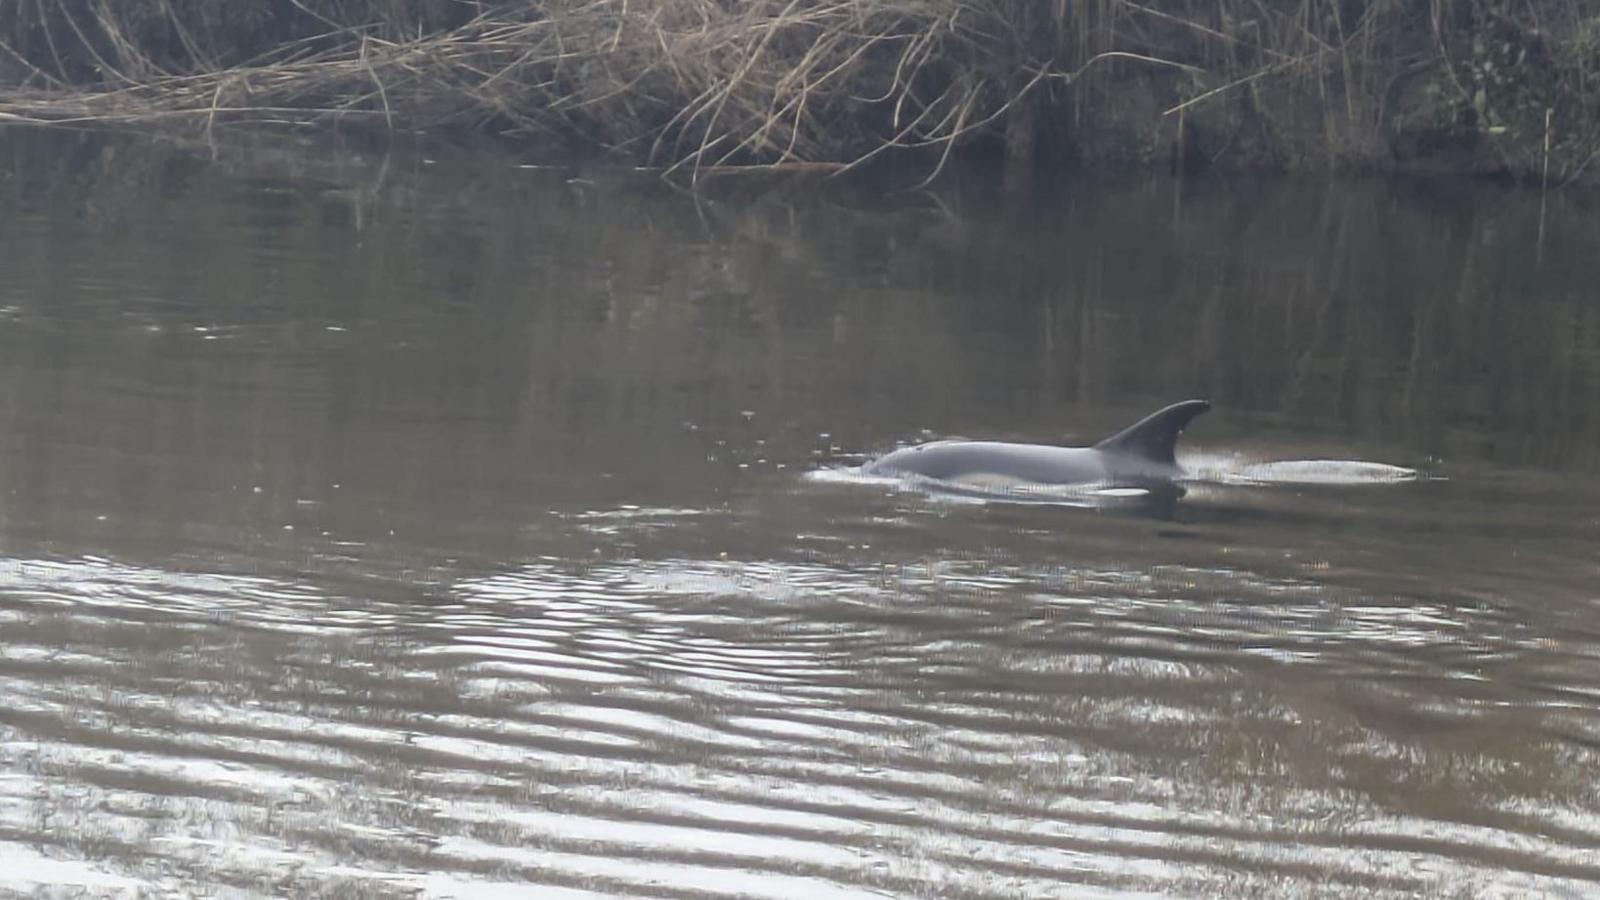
{"type": "Point", "coordinates": [1138, 456]}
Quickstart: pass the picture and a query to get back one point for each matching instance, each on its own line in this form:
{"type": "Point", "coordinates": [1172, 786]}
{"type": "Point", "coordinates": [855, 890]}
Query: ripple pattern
{"type": "Point", "coordinates": [692, 728]}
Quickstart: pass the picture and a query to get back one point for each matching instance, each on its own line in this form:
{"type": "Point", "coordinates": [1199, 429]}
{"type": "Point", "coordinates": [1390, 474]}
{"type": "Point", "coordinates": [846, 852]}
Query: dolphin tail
{"type": "Point", "coordinates": [1153, 438]}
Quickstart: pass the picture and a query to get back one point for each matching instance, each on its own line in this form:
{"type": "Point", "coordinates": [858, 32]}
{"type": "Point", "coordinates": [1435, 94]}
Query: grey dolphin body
{"type": "Point", "coordinates": [1138, 455]}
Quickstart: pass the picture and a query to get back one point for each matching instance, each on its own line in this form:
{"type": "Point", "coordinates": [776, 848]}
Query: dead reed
{"type": "Point", "coordinates": [691, 84]}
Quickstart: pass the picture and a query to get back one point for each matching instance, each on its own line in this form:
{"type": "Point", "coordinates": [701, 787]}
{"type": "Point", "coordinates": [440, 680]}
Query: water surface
{"type": "Point", "coordinates": [392, 526]}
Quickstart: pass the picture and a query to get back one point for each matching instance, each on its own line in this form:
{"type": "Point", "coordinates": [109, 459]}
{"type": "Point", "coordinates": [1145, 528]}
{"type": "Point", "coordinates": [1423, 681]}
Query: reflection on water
{"type": "Point", "coordinates": [395, 528]}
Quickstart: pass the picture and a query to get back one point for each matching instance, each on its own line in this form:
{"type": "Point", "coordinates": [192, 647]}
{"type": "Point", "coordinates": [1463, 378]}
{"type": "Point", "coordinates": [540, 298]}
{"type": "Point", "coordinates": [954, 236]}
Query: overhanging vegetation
{"type": "Point", "coordinates": [1506, 86]}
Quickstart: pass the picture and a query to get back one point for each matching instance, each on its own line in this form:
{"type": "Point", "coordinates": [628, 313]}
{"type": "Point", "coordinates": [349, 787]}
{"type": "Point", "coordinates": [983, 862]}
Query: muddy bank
{"type": "Point", "coordinates": [1485, 87]}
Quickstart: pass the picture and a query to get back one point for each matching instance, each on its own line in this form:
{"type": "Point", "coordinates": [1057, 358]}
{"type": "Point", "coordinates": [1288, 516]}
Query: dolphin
{"type": "Point", "coordinates": [1141, 454]}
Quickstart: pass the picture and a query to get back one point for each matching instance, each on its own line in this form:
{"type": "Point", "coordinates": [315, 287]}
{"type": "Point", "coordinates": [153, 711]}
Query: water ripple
{"type": "Point", "coordinates": [688, 727]}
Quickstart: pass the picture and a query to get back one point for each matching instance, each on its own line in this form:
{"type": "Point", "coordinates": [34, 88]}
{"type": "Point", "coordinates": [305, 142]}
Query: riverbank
{"type": "Point", "coordinates": [1486, 87]}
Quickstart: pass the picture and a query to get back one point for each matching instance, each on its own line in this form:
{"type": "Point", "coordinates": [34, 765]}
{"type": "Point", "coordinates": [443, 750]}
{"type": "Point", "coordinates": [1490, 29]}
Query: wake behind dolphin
{"type": "Point", "coordinates": [1140, 455]}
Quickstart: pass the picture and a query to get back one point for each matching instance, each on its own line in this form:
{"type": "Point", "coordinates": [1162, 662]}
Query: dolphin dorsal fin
{"type": "Point", "coordinates": [1153, 438]}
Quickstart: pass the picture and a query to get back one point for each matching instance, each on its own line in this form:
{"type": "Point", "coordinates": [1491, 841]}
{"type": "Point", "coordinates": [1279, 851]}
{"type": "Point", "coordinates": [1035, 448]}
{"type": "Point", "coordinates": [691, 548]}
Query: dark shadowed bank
{"type": "Point", "coordinates": [1503, 87]}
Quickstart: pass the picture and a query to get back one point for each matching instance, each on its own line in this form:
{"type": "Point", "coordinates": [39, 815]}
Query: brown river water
{"type": "Point", "coordinates": [393, 526]}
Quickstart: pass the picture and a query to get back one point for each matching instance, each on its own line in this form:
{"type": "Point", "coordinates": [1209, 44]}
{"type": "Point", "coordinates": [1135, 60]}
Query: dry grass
{"type": "Point", "coordinates": [669, 82]}
{"type": "Point", "coordinates": [692, 84]}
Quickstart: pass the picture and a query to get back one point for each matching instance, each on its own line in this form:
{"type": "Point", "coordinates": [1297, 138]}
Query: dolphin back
{"type": "Point", "coordinates": [1153, 438]}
